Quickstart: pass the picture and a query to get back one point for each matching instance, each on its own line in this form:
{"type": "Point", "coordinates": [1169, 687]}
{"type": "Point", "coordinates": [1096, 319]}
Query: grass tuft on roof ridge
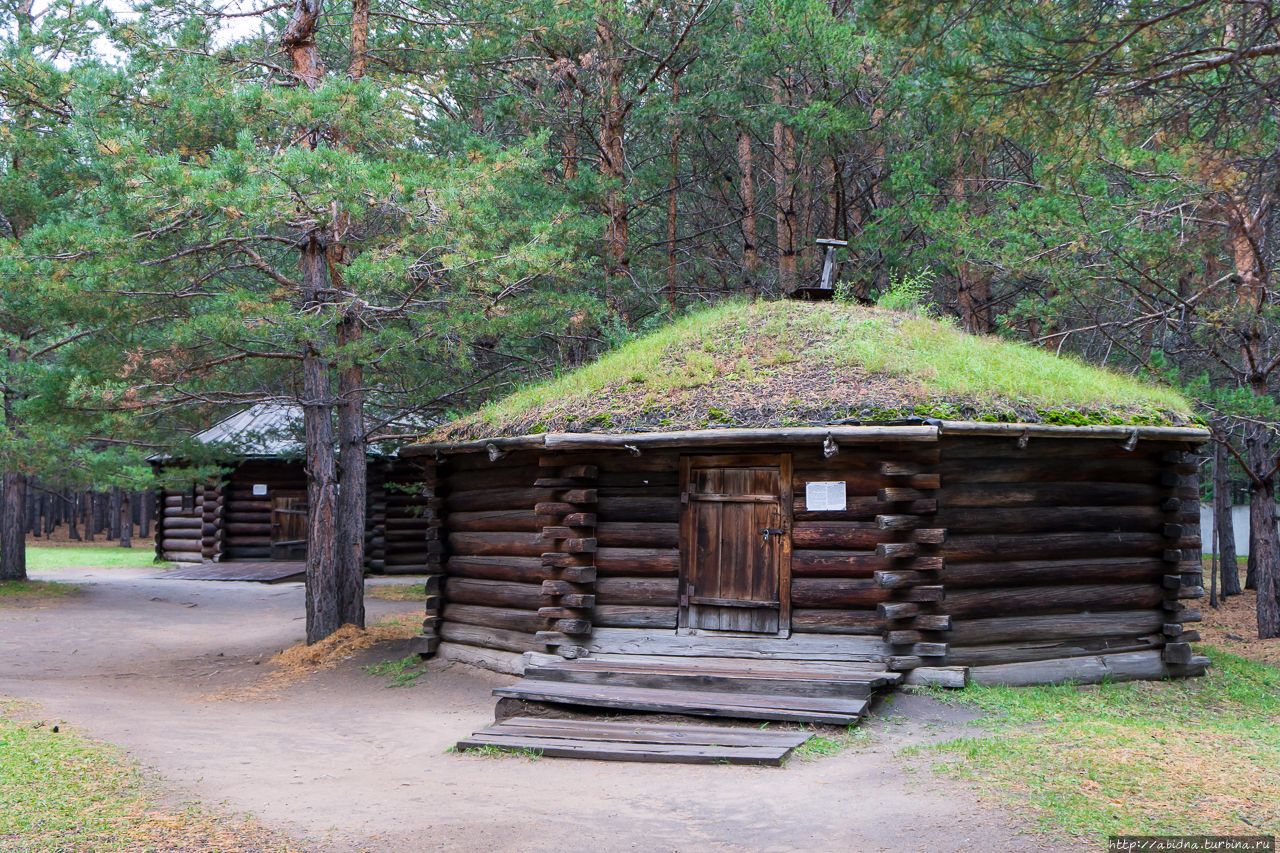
{"type": "Point", "coordinates": [786, 363]}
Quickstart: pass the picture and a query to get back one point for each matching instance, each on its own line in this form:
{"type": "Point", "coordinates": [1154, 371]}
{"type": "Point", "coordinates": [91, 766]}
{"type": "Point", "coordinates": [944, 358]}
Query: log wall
{"type": "Point", "coordinates": [974, 551]}
{"type": "Point", "coordinates": [189, 524]}
{"type": "Point", "coordinates": [1059, 548]}
{"type": "Point", "coordinates": [247, 532]}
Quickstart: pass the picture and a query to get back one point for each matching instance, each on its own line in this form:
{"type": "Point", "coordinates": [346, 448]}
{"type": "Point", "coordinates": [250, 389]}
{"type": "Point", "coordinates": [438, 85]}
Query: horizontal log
{"type": "Point", "coordinates": [488, 637]}
{"type": "Point", "coordinates": [500, 477]}
{"type": "Point", "coordinates": [951, 677]}
{"type": "Point", "coordinates": [1042, 468]}
{"type": "Point", "coordinates": [864, 508]}
{"type": "Point", "coordinates": [639, 561]}
{"type": "Point", "coordinates": [182, 535]}
{"type": "Point", "coordinates": [854, 535]}
{"type": "Point", "coordinates": [560, 587]}
{"type": "Point", "coordinates": [525, 621]}
{"type": "Point", "coordinates": [638, 509]}
{"type": "Point", "coordinates": [661, 592]}
{"type": "Point", "coordinates": [629, 534]}
{"type": "Point", "coordinates": [1096, 669]}
{"type": "Point", "coordinates": [497, 544]}
{"type": "Point", "coordinates": [1132, 623]}
{"type": "Point", "coordinates": [491, 499]}
{"type": "Point", "coordinates": [836, 621]}
{"type": "Point", "coordinates": [1013, 573]}
{"type": "Point", "coordinates": [493, 593]}
{"type": "Point", "coordinates": [897, 550]}
{"type": "Point", "coordinates": [960, 548]}
{"type": "Point", "coordinates": [579, 519]}
{"type": "Point", "coordinates": [1049, 494]}
{"type": "Point", "coordinates": [239, 528]}
{"type": "Point", "coordinates": [843, 564]}
{"type": "Point", "coordinates": [1033, 650]}
{"type": "Point", "coordinates": [628, 616]}
{"type": "Point", "coordinates": [1027, 600]}
{"type": "Point", "coordinates": [518, 569]}
{"type": "Point", "coordinates": [891, 610]}
{"type": "Point", "coordinates": [180, 523]}
{"type": "Point", "coordinates": [836, 592]}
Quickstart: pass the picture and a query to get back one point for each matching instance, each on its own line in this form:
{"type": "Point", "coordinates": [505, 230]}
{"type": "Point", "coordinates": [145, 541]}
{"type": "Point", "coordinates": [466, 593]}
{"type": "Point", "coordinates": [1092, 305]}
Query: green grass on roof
{"type": "Point", "coordinates": [796, 363]}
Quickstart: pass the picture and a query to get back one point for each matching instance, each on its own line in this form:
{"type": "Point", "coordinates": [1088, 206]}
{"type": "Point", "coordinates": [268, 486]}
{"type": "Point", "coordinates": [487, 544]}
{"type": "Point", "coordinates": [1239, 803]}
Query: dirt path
{"type": "Point", "coordinates": [343, 763]}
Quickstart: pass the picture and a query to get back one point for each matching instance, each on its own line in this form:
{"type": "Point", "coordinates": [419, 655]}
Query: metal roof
{"type": "Point", "coordinates": [263, 429]}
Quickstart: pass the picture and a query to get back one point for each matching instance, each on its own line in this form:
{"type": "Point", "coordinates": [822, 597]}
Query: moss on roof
{"type": "Point", "coordinates": [807, 364]}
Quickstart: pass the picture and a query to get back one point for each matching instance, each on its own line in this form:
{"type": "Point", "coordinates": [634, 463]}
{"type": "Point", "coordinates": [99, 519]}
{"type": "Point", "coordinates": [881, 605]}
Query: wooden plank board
{"type": "Point", "coordinates": [836, 712]}
{"type": "Point", "coordinates": [798, 647]}
{"type": "Point", "coordinates": [643, 731]}
{"type": "Point", "coordinates": [769, 756]}
{"type": "Point", "coordinates": [270, 571]}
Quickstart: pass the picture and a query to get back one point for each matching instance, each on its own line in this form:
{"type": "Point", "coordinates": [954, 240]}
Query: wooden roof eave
{"type": "Point", "coordinates": [1116, 431]}
{"type": "Point", "coordinates": [727, 437]}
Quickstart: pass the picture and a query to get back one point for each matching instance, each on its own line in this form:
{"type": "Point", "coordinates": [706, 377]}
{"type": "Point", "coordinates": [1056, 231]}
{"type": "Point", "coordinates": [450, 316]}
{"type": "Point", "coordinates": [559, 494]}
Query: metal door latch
{"type": "Point", "coordinates": [771, 531]}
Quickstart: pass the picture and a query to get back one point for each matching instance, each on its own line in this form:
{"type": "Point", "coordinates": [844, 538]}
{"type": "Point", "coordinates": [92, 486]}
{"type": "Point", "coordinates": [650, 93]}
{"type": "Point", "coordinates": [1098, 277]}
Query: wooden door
{"type": "Point", "coordinates": [735, 546]}
{"type": "Point", "coordinates": [288, 527]}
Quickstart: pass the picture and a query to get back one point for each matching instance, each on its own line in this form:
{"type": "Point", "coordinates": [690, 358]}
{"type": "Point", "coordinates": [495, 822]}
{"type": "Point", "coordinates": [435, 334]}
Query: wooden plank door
{"type": "Point", "coordinates": [735, 544]}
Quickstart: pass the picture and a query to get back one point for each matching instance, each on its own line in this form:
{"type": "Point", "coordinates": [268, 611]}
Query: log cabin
{"type": "Point", "coordinates": [257, 511]}
{"type": "Point", "coordinates": [817, 492]}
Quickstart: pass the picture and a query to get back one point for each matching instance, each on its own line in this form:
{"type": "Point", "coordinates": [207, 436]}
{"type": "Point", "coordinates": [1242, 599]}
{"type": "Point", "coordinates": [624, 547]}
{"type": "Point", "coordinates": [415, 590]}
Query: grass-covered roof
{"type": "Point", "coordinates": [810, 364]}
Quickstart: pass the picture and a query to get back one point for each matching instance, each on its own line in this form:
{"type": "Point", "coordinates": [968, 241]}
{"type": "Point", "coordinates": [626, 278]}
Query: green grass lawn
{"type": "Point", "coordinates": [1146, 758]}
{"type": "Point", "coordinates": [43, 558]}
{"type": "Point", "coordinates": [35, 590]}
{"type": "Point", "coordinates": [62, 791]}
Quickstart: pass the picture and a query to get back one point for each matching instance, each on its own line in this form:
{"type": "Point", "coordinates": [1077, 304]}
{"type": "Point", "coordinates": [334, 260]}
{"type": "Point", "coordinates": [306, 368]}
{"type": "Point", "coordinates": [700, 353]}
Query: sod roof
{"type": "Point", "coordinates": [784, 364]}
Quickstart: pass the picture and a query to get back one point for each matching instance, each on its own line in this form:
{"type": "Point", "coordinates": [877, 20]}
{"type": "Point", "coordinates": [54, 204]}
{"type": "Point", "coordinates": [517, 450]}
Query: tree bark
{"type": "Point", "coordinates": [1223, 524]}
{"type": "Point", "coordinates": [126, 519]}
{"type": "Point", "coordinates": [973, 283]}
{"type": "Point", "coordinates": [1264, 538]}
{"type": "Point", "coordinates": [353, 493]}
{"type": "Point", "coordinates": [73, 516]}
{"type": "Point", "coordinates": [784, 179]}
{"type": "Point", "coordinates": [673, 189]}
{"type": "Point", "coordinates": [13, 526]}
{"type": "Point", "coordinates": [617, 266]}
{"type": "Point", "coordinates": [324, 612]}
{"type": "Point", "coordinates": [323, 597]}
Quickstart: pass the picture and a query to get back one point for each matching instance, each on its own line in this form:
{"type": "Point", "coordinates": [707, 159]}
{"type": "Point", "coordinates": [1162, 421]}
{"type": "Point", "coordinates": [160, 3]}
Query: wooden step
{"type": "Point", "coordinates": [637, 741]}
{"type": "Point", "coordinates": [700, 676]}
{"type": "Point", "coordinates": [751, 706]}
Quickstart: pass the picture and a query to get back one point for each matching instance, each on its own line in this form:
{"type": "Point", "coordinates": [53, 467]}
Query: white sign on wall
{"type": "Point", "coordinates": [259, 489]}
{"type": "Point", "coordinates": [824, 496]}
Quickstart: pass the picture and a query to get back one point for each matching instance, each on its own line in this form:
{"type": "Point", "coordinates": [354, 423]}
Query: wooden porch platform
{"type": "Point", "coordinates": [265, 571]}
{"type": "Point", "coordinates": [812, 692]}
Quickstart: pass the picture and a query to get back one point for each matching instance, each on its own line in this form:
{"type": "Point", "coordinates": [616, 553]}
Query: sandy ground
{"type": "Point", "coordinates": [342, 763]}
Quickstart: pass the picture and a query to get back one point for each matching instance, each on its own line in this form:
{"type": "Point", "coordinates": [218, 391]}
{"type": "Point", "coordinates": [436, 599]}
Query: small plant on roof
{"type": "Point", "coordinates": [910, 292]}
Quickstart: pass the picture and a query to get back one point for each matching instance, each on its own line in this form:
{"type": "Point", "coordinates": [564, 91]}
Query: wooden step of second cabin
{"type": "Point", "coordinates": [746, 706]}
{"type": "Point", "coordinates": [636, 740]}
{"type": "Point", "coordinates": [720, 675]}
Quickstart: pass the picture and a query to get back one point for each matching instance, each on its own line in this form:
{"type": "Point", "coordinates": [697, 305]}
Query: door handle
{"type": "Point", "coordinates": [771, 531]}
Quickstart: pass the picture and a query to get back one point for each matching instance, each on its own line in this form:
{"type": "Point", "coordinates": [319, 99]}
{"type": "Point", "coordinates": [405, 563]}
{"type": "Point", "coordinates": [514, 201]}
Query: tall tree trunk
{"type": "Point", "coordinates": [973, 282]}
{"type": "Point", "coordinates": [113, 514]}
{"type": "Point", "coordinates": [126, 519]}
{"type": "Point", "coordinates": [323, 597]}
{"type": "Point", "coordinates": [747, 195]}
{"type": "Point", "coordinates": [673, 189]}
{"type": "Point", "coordinates": [1223, 524]}
{"type": "Point", "coordinates": [73, 515]}
{"type": "Point", "coordinates": [13, 526]}
{"type": "Point", "coordinates": [784, 180]}
{"type": "Point", "coordinates": [1264, 538]}
{"type": "Point", "coordinates": [353, 493]}
{"type": "Point", "coordinates": [324, 609]}
{"type": "Point", "coordinates": [617, 266]}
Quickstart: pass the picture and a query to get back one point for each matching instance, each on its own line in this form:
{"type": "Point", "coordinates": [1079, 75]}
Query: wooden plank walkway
{"type": "Point", "coordinates": [266, 571]}
{"type": "Point", "coordinates": [637, 741]}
